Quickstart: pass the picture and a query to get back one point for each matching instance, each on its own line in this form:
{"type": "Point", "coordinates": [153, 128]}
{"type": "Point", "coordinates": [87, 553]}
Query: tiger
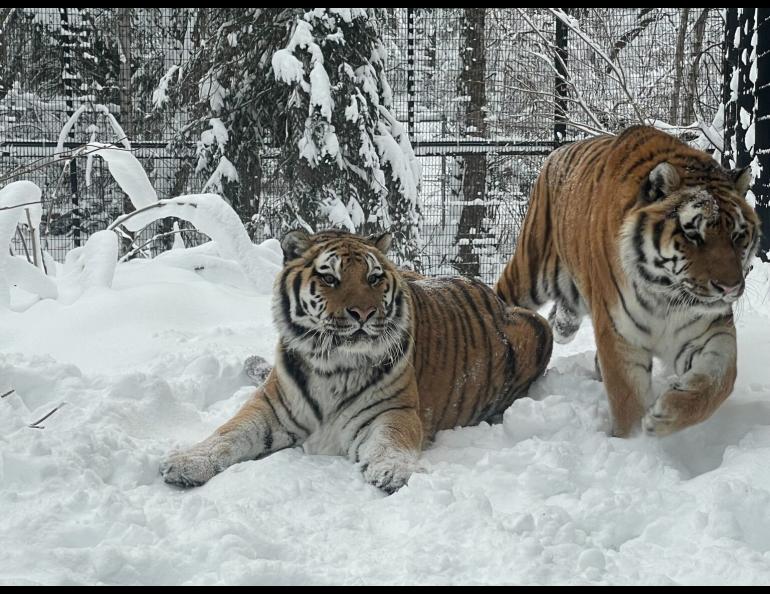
{"type": "Point", "coordinates": [653, 239]}
{"type": "Point", "coordinates": [371, 362]}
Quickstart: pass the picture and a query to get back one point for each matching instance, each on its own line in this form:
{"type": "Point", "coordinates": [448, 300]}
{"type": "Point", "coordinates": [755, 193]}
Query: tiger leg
{"type": "Point", "coordinates": [389, 448]}
{"type": "Point", "coordinates": [256, 430]}
{"type": "Point", "coordinates": [564, 320]}
{"type": "Point", "coordinates": [627, 375]}
{"type": "Point", "coordinates": [531, 340]}
{"type": "Point", "coordinates": [698, 392]}
{"type": "Point", "coordinates": [523, 280]}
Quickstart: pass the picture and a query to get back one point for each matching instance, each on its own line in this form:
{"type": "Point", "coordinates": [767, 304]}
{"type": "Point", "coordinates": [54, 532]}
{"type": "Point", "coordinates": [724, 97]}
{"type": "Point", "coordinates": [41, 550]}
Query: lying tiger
{"type": "Point", "coordinates": [653, 239]}
{"type": "Point", "coordinates": [371, 362]}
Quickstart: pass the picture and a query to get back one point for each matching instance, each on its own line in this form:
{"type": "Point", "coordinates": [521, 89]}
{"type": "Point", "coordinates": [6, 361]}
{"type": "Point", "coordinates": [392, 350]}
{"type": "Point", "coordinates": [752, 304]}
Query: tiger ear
{"type": "Point", "coordinates": [742, 179]}
{"type": "Point", "coordinates": [381, 241]}
{"type": "Point", "coordinates": [294, 244]}
{"type": "Point", "coordinates": [662, 180]}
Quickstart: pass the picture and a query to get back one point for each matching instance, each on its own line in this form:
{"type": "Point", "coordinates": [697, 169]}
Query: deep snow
{"type": "Point", "coordinates": [546, 497]}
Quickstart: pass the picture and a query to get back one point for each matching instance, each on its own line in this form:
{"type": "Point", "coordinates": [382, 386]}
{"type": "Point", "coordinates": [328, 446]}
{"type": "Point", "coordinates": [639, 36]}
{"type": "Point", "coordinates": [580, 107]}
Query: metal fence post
{"type": "Point", "coordinates": [762, 128]}
{"type": "Point", "coordinates": [68, 41]}
{"type": "Point", "coordinates": [729, 95]}
{"type": "Point", "coordinates": [410, 71]}
{"type": "Point", "coordinates": [745, 107]}
{"type": "Point", "coordinates": [560, 83]}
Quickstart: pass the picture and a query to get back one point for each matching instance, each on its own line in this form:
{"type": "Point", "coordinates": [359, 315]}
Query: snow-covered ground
{"type": "Point", "coordinates": [546, 497]}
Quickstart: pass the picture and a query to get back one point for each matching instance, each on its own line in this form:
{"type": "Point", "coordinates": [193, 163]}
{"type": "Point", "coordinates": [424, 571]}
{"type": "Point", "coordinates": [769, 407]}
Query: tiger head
{"type": "Point", "coordinates": [339, 296]}
{"type": "Point", "coordinates": [693, 235]}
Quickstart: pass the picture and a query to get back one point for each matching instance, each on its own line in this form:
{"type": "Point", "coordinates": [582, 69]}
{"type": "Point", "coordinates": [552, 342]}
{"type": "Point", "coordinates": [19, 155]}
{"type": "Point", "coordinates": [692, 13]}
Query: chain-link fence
{"type": "Point", "coordinates": [486, 95]}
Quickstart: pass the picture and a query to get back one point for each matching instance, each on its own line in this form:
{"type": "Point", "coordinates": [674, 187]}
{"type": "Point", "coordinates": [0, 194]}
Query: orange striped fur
{"type": "Point", "coordinates": [653, 240]}
{"type": "Point", "coordinates": [372, 362]}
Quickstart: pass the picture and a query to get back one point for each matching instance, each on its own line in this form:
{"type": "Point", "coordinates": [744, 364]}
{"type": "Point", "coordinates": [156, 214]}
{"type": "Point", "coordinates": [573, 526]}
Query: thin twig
{"type": "Point", "coordinates": [156, 237]}
{"type": "Point", "coordinates": [22, 205]}
{"type": "Point", "coordinates": [8, 393]}
{"type": "Point", "coordinates": [37, 425]}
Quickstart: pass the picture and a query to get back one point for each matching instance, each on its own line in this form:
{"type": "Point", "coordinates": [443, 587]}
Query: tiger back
{"type": "Point", "coordinates": [652, 239]}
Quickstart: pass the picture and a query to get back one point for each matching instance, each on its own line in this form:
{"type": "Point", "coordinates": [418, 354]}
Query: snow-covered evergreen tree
{"type": "Point", "coordinates": [353, 163]}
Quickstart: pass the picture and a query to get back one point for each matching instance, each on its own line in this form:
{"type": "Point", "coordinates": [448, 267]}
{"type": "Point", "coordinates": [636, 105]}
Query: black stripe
{"type": "Point", "coordinates": [646, 305]}
{"type": "Point", "coordinates": [380, 373]}
{"type": "Point", "coordinates": [286, 306]}
{"type": "Point", "coordinates": [462, 287]}
{"type": "Point", "coordinates": [697, 338]}
{"type": "Point", "coordinates": [465, 337]}
{"type": "Point", "coordinates": [657, 233]}
{"type": "Point", "coordinates": [267, 439]}
{"type": "Point", "coordinates": [656, 280]}
{"type": "Point", "coordinates": [687, 325]}
{"type": "Point", "coordinates": [639, 237]}
{"type": "Point", "coordinates": [291, 435]}
{"type": "Point", "coordinates": [480, 389]}
{"type": "Point", "coordinates": [296, 287]}
{"type": "Point", "coordinates": [611, 319]}
{"type": "Point", "coordinates": [282, 402]}
{"type": "Point", "coordinates": [544, 347]}
{"type": "Point", "coordinates": [639, 325]}
{"type": "Point", "coordinates": [294, 368]}
{"type": "Point", "coordinates": [700, 349]}
{"type": "Point", "coordinates": [370, 421]}
{"type": "Point", "coordinates": [373, 404]}
{"type": "Point", "coordinates": [419, 312]}
{"type": "Point", "coordinates": [453, 330]}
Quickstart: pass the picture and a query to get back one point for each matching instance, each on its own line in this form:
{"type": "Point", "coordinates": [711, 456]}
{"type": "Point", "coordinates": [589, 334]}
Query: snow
{"type": "Point", "coordinates": [213, 216]}
{"type": "Point", "coordinates": [212, 91]}
{"type": "Point", "coordinates": [73, 119]}
{"type": "Point", "coordinates": [160, 94]}
{"type": "Point", "coordinates": [92, 265]}
{"type": "Point", "coordinates": [320, 91]}
{"type": "Point", "coordinates": [225, 170]}
{"type": "Point", "coordinates": [546, 497]}
{"type": "Point", "coordinates": [338, 214]}
{"type": "Point", "coordinates": [128, 172]}
{"type": "Point", "coordinates": [287, 68]}
{"type": "Point", "coordinates": [19, 202]}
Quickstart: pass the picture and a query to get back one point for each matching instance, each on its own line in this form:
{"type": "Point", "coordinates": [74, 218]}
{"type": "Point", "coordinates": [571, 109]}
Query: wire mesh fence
{"type": "Point", "coordinates": [486, 95]}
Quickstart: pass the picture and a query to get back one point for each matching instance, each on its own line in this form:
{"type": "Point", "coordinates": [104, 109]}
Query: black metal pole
{"type": "Point", "coordinates": [71, 92]}
{"type": "Point", "coordinates": [729, 95]}
{"type": "Point", "coordinates": [411, 39]}
{"type": "Point", "coordinates": [560, 83]}
{"type": "Point", "coordinates": [762, 129]}
{"type": "Point", "coordinates": [745, 107]}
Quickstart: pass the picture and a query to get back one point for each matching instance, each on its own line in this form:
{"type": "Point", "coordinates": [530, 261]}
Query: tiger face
{"type": "Point", "coordinates": [692, 243]}
{"type": "Point", "coordinates": [339, 296]}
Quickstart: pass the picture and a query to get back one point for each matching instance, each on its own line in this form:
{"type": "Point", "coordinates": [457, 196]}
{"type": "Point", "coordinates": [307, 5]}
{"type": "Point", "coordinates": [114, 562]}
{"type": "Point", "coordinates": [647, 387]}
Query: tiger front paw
{"type": "Point", "coordinates": [674, 410]}
{"type": "Point", "coordinates": [196, 465]}
{"type": "Point", "coordinates": [390, 474]}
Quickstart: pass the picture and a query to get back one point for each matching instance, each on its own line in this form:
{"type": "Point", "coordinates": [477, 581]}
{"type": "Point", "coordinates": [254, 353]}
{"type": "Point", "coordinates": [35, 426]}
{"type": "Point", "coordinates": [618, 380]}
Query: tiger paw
{"type": "Point", "coordinates": [195, 466]}
{"type": "Point", "coordinates": [389, 474]}
{"type": "Point", "coordinates": [669, 413]}
{"type": "Point", "coordinates": [257, 369]}
{"type": "Point", "coordinates": [658, 424]}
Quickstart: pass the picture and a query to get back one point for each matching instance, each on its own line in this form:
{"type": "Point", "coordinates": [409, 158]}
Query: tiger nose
{"type": "Point", "coordinates": [361, 314]}
{"type": "Point", "coordinates": [728, 290]}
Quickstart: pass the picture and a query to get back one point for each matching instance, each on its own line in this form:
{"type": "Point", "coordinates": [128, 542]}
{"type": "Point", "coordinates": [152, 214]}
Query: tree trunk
{"type": "Point", "coordinates": [673, 112]}
{"type": "Point", "coordinates": [472, 87]}
{"type": "Point", "coordinates": [691, 92]}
